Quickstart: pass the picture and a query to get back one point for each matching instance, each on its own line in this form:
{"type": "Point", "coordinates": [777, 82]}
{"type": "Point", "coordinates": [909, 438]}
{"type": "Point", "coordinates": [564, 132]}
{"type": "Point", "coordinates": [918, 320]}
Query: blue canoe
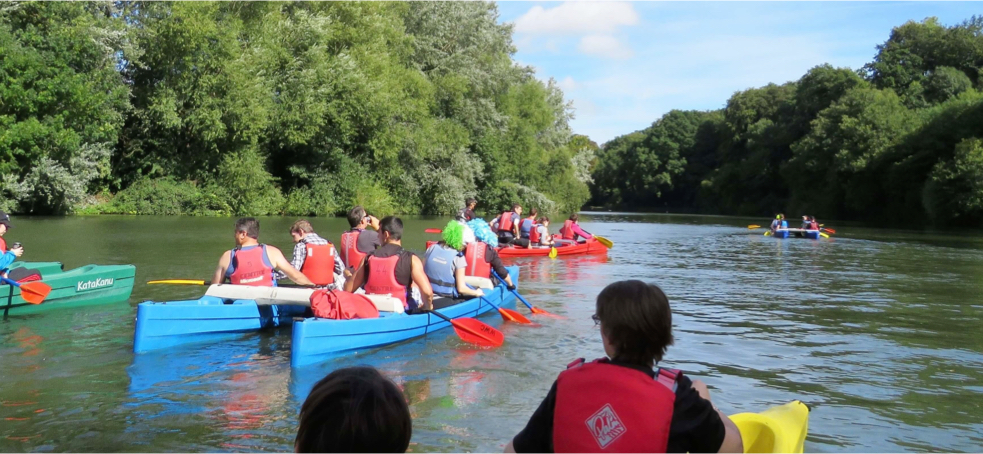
{"type": "Point", "coordinates": [316, 340]}
{"type": "Point", "coordinates": [799, 233]}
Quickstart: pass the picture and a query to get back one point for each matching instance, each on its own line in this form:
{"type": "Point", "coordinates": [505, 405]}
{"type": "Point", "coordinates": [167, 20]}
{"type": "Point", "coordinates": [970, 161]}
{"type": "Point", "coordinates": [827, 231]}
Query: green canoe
{"type": "Point", "coordinates": [87, 285]}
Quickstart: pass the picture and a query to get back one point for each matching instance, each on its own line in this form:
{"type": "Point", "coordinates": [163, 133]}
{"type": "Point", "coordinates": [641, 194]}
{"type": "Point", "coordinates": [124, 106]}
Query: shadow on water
{"type": "Point", "coordinates": [878, 330]}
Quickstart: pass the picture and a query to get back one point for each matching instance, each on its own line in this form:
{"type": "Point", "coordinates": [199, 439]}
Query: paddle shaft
{"type": "Point", "coordinates": [10, 302]}
{"type": "Point", "coordinates": [207, 282]}
{"type": "Point", "coordinates": [513, 291]}
{"type": "Point", "coordinates": [462, 327]}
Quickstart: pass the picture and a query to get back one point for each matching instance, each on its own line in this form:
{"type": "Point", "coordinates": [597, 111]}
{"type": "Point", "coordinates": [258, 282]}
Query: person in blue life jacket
{"type": "Point", "coordinates": [253, 263]}
{"type": "Point", "coordinates": [625, 402]}
{"type": "Point", "coordinates": [527, 225]}
{"type": "Point", "coordinates": [9, 255]}
{"type": "Point", "coordinates": [445, 265]}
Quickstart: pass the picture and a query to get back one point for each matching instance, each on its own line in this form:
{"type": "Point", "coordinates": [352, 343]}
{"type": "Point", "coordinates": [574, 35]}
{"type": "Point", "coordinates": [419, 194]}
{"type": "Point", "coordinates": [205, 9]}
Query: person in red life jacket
{"type": "Point", "coordinates": [358, 241]}
{"type": "Point", "coordinates": [507, 225]}
{"type": "Point", "coordinates": [540, 234]}
{"type": "Point", "coordinates": [481, 259]}
{"type": "Point", "coordinates": [624, 403]}
{"type": "Point", "coordinates": [316, 257]}
{"type": "Point", "coordinates": [11, 255]}
{"type": "Point", "coordinates": [571, 230]}
{"type": "Point", "coordinates": [252, 263]}
{"type": "Point", "coordinates": [813, 224]}
{"type": "Point", "coordinates": [392, 270]}
{"type": "Point", "coordinates": [354, 409]}
{"type": "Point", "coordinates": [466, 214]}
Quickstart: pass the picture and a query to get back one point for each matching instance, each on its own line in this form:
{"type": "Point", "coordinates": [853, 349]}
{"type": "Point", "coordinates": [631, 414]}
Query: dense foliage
{"type": "Point", "coordinates": [900, 141]}
{"type": "Point", "coordinates": [301, 108]}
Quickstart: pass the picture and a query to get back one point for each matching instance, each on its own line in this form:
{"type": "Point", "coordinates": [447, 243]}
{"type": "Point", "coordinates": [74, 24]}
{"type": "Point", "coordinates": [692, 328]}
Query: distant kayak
{"type": "Point", "coordinates": [591, 246]}
{"type": "Point", "coordinates": [796, 233]}
{"type": "Point", "coordinates": [777, 429]}
{"type": "Point", "coordinates": [83, 286]}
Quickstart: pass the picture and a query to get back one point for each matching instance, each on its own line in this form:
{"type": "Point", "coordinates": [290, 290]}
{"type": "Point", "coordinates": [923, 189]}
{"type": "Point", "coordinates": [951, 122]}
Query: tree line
{"type": "Point", "coordinates": [899, 141]}
{"type": "Point", "coordinates": [298, 108]}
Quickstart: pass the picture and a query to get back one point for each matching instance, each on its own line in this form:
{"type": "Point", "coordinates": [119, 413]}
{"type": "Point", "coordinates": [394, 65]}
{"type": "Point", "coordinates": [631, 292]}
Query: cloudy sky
{"type": "Point", "coordinates": [626, 64]}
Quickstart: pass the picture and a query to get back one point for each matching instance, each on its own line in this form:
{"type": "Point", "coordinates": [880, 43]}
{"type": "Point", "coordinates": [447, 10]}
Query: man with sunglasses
{"type": "Point", "coordinates": [253, 263]}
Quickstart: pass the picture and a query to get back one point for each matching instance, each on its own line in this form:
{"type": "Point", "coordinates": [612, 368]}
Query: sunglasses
{"type": "Point", "coordinates": [597, 320]}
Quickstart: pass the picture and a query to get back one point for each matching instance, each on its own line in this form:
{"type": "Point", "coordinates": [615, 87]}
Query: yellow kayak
{"type": "Point", "coordinates": [777, 429]}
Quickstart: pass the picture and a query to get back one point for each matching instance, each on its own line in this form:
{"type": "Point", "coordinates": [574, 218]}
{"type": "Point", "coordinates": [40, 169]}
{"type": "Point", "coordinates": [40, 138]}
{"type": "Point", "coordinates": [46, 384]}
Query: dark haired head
{"type": "Point", "coordinates": [355, 216]}
{"type": "Point", "coordinates": [534, 212]}
{"type": "Point", "coordinates": [249, 226]}
{"type": "Point", "coordinates": [393, 226]}
{"type": "Point", "coordinates": [574, 217]}
{"type": "Point", "coordinates": [544, 219]}
{"type": "Point", "coordinates": [470, 201]}
{"type": "Point", "coordinates": [636, 321]}
{"type": "Point", "coordinates": [516, 206]}
{"type": "Point", "coordinates": [355, 409]}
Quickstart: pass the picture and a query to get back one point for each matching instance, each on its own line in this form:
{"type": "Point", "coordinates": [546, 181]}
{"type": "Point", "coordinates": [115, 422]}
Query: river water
{"type": "Point", "coordinates": [878, 331]}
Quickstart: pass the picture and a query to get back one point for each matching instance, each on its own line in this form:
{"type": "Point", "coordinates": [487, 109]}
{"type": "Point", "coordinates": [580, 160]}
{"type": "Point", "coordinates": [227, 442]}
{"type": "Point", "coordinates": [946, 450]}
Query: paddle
{"type": "Point", "coordinates": [606, 242]}
{"type": "Point", "coordinates": [823, 235]}
{"type": "Point", "coordinates": [768, 233]}
{"type": "Point", "coordinates": [752, 226]}
{"type": "Point", "coordinates": [507, 314]}
{"type": "Point", "coordinates": [552, 254]}
{"type": "Point", "coordinates": [535, 310]}
{"type": "Point", "coordinates": [32, 292]}
{"type": "Point", "coordinates": [828, 230]}
{"type": "Point", "coordinates": [474, 331]}
{"type": "Point", "coordinates": [208, 282]}
{"type": "Point", "coordinates": [433, 231]}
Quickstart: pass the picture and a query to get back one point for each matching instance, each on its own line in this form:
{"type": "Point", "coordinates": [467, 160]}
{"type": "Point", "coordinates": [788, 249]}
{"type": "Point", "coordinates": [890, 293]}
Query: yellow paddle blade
{"type": "Point", "coordinates": [823, 235]}
{"type": "Point", "coordinates": [606, 242]}
{"type": "Point", "coordinates": [768, 233]}
{"type": "Point", "coordinates": [552, 253]}
{"type": "Point", "coordinates": [179, 281]}
{"type": "Point", "coordinates": [752, 226]}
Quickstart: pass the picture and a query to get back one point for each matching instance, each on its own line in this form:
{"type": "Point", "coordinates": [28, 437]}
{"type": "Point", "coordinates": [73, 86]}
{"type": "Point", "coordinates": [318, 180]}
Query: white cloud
{"type": "Point", "coordinates": [577, 18]}
{"type": "Point", "coordinates": [567, 84]}
{"type": "Point", "coordinates": [604, 46]}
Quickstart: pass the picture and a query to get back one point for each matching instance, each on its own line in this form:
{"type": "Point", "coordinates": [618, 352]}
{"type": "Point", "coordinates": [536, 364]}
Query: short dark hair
{"type": "Point", "coordinates": [248, 225]}
{"type": "Point", "coordinates": [636, 320]}
{"type": "Point", "coordinates": [534, 211]}
{"type": "Point", "coordinates": [574, 217]}
{"type": "Point", "coordinates": [393, 226]}
{"type": "Point", "coordinates": [544, 219]}
{"type": "Point", "coordinates": [354, 409]}
{"type": "Point", "coordinates": [515, 206]}
{"type": "Point", "coordinates": [470, 201]}
{"type": "Point", "coordinates": [355, 215]}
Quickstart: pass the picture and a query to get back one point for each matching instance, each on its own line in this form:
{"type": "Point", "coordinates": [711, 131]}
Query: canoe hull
{"type": "Point", "coordinates": [797, 233]}
{"type": "Point", "coordinates": [316, 340]}
{"type": "Point", "coordinates": [589, 247]}
{"type": "Point", "coordinates": [83, 286]}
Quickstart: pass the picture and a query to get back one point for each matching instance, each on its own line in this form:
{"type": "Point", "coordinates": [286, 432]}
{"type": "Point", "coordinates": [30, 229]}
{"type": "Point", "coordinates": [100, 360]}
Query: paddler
{"type": "Point", "coordinates": [777, 223]}
{"type": "Point", "coordinates": [466, 214]}
{"type": "Point", "coordinates": [624, 403]}
{"type": "Point", "coordinates": [813, 223]}
{"type": "Point", "coordinates": [253, 263]}
{"type": "Point", "coordinates": [316, 257]}
{"type": "Point", "coordinates": [445, 265]}
{"type": "Point", "coordinates": [392, 270]}
{"type": "Point", "coordinates": [482, 258]}
{"type": "Point", "coordinates": [526, 227]}
{"type": "Point", "coordinates": [571, 230]}
{"type": "Point", "coordinates": [359, 241]}
{"type": "Point", "coordinates": [540, 234]}
{"type": "Point", "coordinates": [9, 255]}
{"type": "Point", "coordinates": [508, 225]}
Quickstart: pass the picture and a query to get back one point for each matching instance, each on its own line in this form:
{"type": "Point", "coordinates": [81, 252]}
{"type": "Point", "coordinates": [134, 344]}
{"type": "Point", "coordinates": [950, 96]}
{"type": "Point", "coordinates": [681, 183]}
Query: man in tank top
{"type": "Point", "coordinates": [252, 263]}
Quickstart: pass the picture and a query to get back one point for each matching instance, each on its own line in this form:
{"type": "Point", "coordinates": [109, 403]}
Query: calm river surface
{"type": "Point", "coordinates": [879, 331]}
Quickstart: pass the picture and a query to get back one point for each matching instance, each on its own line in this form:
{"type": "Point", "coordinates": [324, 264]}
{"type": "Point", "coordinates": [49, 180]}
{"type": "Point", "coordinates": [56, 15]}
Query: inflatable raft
{"type": "Point", "coordinates": [316, 340]}
{"type": "Point", "coordinates": [83, 286]}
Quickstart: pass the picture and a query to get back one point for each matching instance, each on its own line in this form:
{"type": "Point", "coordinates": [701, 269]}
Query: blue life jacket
{"type": "Point", "coordinates": [439, 267]}
{"type": "Point", "coordinates": [525, 227]}
{"type": "Point", "coordinates": [784, 224]}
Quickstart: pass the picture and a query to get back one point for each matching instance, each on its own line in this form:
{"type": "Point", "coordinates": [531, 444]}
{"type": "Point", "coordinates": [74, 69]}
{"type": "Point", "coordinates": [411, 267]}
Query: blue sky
{"type": "Point", "coordinates": [625, 64]}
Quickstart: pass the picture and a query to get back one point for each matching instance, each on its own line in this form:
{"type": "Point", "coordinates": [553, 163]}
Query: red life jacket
{"type": "Point", "coordinates": [251, 266]}
{"type": "Point", "coordinates": [350, 255]}
{"type": "Point", "coordinates": [3, 245]}
{"type": "Point", "coordinates": [567, 230]}
{"type": "Point", "coordinates": [603, 407]}
{"type": "Point", "coordinates": [813, 225]}
{"type": "Point", "coordinates": [319, 264]}
{"type": "Point", "coordinates": [534, 234]}
{"type": "Point", "coordinates": [382, 278]}
{"type": "Point", "coordinates": [505, 221]}
{"type": "Point", "coordinates": [474, 253]}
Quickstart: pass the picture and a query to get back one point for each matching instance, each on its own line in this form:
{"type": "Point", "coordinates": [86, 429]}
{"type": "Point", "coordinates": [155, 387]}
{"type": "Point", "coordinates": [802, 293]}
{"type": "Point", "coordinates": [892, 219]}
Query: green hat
{"type": "Point", "coordinates": [454, 235]}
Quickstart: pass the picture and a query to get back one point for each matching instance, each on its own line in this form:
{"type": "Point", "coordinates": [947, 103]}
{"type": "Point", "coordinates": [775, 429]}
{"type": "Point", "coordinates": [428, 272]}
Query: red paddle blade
{"type": "Point", "coordinates": [513, 316]}
{"type": "Point", "coordinates": [476, 332]}
{"type": "Point", "coordinates": [829, 230]}
{"type": "Point", "coordinates": [434, 231]}
{"type": "Point", "coordinates": [34, 292]}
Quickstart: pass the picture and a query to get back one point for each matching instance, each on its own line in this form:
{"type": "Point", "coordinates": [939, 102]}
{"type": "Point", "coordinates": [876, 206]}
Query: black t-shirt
{"type": "Point", "coordinates": [465, 214]}
{"type": "Point", "coordinates": [695, 426]}
{"type": "Point", "coordinates": [368, 241]}
{"type": "Point", "coordinates": [404, 266]}
{"type": "Point", "coordinates": [491, 256]}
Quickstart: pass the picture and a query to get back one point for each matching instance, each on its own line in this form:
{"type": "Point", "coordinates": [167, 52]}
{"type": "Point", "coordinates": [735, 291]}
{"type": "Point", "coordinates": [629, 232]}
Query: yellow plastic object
{"type": "Point", "coordinates": [179, 281]}
{"type": "Point", "coordinates": [606, 242]}
{"type": "Point", "coordinates": [768, 233]}
{"type": "Point", "coordinates": [823, 235]}
{"type": "Point", "coordinates": [752, 226]}
{"type": "Point", "coordinates": [552, 253]}
{"type": "Point", "coordinates": [777, 429]}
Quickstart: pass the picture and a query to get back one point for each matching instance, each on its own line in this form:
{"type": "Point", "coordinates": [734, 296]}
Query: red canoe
{"type": "Point", "coordinates": [592, 246]}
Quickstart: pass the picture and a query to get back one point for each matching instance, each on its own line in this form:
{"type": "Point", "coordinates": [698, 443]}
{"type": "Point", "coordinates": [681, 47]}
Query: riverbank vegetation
{"type": "Point", "coordinates": [898, 141]}
{"type": "Point", "coordinates": [257, 108]}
